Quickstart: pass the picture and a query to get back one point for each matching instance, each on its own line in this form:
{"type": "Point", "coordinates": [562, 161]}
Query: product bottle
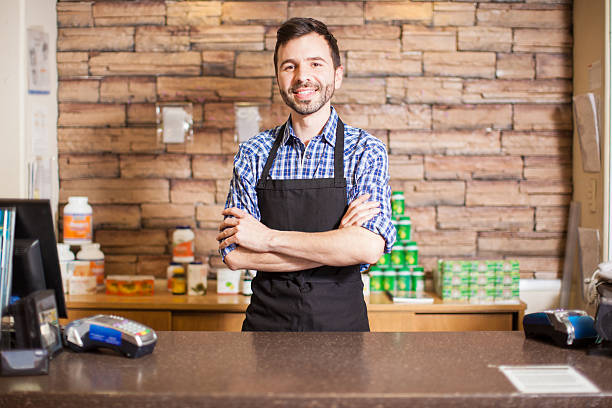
{"type": "Point", "coordinates": [66, 260]}
{"type": "Point", "coordinates": [182, 244]}
{"type": "Point", "coordinates": [95, 257]}
{"type": "Point", "coordinates": [172, 269]}
{"type": "Point", "coordinates": [78, 221]}
{"type": "Point", "coordinates": [246, 283]}
{"type": "Point", "coordinates": [196, 279]}
{"type": "Point", "coordinates": [179, 282]}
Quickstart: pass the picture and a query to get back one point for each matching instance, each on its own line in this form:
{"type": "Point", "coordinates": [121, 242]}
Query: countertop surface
{"type": "Point", "coordinates": [201, 369]}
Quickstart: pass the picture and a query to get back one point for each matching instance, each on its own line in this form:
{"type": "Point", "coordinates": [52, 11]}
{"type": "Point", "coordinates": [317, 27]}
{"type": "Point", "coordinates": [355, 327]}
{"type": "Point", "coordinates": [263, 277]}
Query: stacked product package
{"type": "Point", "coordinates": [478, 281]}
{"type": "Point", "coordinates": [399, 271]}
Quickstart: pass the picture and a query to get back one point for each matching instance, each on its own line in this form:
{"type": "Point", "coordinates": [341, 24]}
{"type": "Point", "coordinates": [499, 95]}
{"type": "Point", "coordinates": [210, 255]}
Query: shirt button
{"type": "Point", "coordinates": [308, 155]}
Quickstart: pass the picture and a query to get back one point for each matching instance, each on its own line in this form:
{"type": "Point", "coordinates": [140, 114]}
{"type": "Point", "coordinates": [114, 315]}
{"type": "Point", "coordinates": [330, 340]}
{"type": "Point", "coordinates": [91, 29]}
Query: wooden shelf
{"type": "Point", "coordinates": [164, 311]}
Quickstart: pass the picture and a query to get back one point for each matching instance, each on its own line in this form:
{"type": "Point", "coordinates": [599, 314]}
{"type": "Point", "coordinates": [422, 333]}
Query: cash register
{"type": "Point", "coordinates": [31, 333]}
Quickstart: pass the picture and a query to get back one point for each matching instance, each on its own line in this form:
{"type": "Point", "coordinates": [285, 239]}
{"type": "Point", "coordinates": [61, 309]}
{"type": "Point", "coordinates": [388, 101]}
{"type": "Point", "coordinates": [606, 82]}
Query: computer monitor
{"type": "Point", "coordinates": [34, 221]}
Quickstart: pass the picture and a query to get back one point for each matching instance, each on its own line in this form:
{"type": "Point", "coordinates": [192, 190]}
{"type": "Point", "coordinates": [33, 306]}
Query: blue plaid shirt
{"type": "Point", "coordinates": [366, 170]}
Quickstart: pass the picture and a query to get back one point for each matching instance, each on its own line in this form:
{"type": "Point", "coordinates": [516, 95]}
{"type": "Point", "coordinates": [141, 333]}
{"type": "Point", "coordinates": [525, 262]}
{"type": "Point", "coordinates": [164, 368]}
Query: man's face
{"type": "Point", "coordinates": [306, 75]}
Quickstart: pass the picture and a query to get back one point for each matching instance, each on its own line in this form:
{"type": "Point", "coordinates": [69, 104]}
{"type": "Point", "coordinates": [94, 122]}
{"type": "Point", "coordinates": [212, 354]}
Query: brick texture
{"type": "Point", "coordinates": [193, 13]}
{"type": "Point", "coordinates": [472, 100]}
{"type": "Point", "coordinates": [393, 11]}
{"type": "Point", "coordinates": [331, 12]}
{"type": "Point", "coordinates": [95, 39]}
{"type": "Point", "coordinates": [515, 66]}
{"type": "Point", "coordinates": [268, 12]}
{"type": "Point", "coordinates": [228, 37]}
{"type": "Point", "coordinates": [454, 14]}
{"type": "Point", "coordinates": [72, 64]}
{"type": "Point", "coordinates": [486, 218]}
{"type": "Point", "coordinates": [419, 38]}
{"type": "Point", "coordinates": [462, 64]}
{"type": "Point", "coordinates": [74, 14]}
{"type": "Point", "coordinates": [148, 63]}
{"type": "Point", "coordinates": [370, 37]}
{"type": "Point", "coordinates": [108, 13]}
{"type": "Point", "coordinates": [162, 39]}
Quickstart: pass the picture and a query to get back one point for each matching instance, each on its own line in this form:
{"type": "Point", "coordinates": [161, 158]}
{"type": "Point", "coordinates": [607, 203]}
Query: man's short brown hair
{"type": "Point", "coordinates": [299, 26]}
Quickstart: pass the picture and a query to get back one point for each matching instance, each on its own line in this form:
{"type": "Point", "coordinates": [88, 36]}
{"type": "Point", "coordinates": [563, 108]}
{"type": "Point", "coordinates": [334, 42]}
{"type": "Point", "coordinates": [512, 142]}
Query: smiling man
{"type": "Point", "coordinates": [309, 202]}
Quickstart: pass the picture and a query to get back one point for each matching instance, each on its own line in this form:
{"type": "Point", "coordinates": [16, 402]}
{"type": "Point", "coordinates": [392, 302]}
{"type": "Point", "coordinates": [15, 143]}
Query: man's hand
{"type": "Point", "coordinates": [243, 230]}
{"type": "Point", "coordinates": [359, 211]}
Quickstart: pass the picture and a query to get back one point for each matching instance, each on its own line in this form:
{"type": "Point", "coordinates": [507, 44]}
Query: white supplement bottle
{"type": "Point", "coordinates": [66, 260]}
{"type": "Point", "coordinates": [196, 278]}
{"type": "Point", "coordinates": [78, 221]}
{"type": "Point", "coordinates": [93, 254]}
{"type": "Point", "coordinates": [182, 245]}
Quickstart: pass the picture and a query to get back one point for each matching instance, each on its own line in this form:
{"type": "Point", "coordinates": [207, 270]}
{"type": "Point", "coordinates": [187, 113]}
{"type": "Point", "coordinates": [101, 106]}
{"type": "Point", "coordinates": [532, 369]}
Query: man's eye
{"type": "Point", "coordinates": [288, 67]}
{"type": "Point", "coordinates": [317, 64]}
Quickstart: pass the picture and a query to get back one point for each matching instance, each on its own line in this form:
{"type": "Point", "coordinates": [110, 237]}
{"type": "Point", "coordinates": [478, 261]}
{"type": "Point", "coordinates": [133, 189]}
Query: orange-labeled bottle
{"type": "Point", "coordinates": [78, 221]}
{"type": "Point", "coordinates": [183, 245]}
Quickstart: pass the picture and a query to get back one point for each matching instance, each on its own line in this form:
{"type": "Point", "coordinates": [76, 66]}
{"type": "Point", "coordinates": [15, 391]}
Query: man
{"type": "Point", "coordinates": [286, 212]}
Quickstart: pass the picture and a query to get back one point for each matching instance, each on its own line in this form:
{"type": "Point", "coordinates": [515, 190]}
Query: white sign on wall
{"type": "Point", "coordinates": [39, 81]}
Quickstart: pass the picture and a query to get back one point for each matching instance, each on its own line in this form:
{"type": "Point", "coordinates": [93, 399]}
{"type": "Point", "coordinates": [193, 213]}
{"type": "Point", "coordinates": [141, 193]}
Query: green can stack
{"type": "Point", "coordinates": [398, 256]}
{"type": "Point", "coordinates": [507, 279]}
{"type": "Point", "coordinates": [384, 262]}
{"type": "Point", "coordinates": [395, 272]}
{"type": "Point", "coordinates": [411, 253]}
{"type": "Point", "coordinates": [397, 203]}
{"type": "Point", "coordinates": [404, 229]}
{"type": "Point", "coordinates": [404, 280]}
{"type": "Point", "coordinates": [376, 279]}
{"type": "Point", "coordinates": [418, 280]}
{"type": "Point", "coordinates": [452, 280]}
{"type": "Point", "coordinates": [478, 281]}
{"type": "Point", "coordinates": [482, 281]}
{"type": "Point", "coordinates": [389, 280]}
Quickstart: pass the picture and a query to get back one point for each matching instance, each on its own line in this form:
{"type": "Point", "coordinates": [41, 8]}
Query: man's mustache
{"type": "Point", "coordinates": [297, 86]}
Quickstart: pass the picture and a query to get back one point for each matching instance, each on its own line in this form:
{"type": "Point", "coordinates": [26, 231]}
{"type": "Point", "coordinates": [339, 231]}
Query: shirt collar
{"type": "Point", "coordinates": [328, 133]}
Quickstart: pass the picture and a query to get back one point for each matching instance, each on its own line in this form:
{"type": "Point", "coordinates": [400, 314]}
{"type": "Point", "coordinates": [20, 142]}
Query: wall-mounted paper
{"type": "Point", "coordinates": [39, 130]}
{"type": "Point", "coordinates": [587, 124]}
{"type": "Point", "coordinates": [39, 81]}
{"type": "Point", "coordinates": [41, 181]}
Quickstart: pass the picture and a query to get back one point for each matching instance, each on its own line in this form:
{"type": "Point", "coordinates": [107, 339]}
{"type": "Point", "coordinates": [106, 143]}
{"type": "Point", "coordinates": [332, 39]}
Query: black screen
{"type": "Point", "coordinates": [35, 221]}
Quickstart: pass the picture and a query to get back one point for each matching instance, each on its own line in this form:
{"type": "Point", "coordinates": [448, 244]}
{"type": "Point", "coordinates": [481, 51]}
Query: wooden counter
{"type": "Point", "coordinates": [164, 311]}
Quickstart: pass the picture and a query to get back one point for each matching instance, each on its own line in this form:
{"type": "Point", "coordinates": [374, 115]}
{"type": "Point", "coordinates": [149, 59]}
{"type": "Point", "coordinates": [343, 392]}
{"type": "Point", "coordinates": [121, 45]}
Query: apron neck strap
{"type": "Point", "coordinates": [279, 139]}
{"type": "Point", "coordinates": [338, 154]}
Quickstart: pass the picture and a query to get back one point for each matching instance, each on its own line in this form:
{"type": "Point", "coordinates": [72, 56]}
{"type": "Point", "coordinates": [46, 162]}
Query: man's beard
{"type": "Point", "coordinates": [311, 106]}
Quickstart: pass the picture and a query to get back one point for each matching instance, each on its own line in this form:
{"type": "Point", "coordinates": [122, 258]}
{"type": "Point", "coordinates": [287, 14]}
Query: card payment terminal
{"type": "Point", "coordinates": [126, 336]}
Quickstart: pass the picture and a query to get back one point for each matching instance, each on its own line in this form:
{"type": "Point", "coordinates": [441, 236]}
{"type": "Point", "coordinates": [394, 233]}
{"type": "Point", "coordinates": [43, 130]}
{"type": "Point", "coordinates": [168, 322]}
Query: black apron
{"type": "Point", "coordinates": [326, 298]}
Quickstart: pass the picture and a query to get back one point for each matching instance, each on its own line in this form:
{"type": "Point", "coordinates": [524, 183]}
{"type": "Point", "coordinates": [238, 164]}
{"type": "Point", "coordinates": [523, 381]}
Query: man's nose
{"type": "Point", "coordinates": [303, 73]}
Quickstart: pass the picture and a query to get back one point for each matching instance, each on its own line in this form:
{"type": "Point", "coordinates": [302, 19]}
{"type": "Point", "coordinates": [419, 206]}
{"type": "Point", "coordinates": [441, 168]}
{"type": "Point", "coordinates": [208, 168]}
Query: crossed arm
{"type": "Point", "coordinates": [262, 248]}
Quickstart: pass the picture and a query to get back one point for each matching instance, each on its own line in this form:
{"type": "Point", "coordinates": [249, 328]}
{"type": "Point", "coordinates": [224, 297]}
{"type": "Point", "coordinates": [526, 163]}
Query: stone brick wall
{"type": "Point", "coordinates": [471, 98]}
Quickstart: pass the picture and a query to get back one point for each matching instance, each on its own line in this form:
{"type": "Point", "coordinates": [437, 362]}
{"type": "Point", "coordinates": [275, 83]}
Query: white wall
{"type": "Point", "coordinates": [16, 105]}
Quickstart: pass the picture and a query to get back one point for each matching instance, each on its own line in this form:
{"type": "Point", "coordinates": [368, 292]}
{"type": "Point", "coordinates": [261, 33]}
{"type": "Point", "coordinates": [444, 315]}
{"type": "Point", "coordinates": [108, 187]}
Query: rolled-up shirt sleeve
{"type": "Point", "coordinates": [242, 192]}
{"type": "Point", "coordinates": [372, 177]}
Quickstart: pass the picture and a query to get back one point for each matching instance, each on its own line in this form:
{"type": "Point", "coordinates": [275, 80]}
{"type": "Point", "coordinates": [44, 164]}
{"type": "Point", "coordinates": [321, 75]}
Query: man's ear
{"type": "Point", "coordinates": [339, 74]}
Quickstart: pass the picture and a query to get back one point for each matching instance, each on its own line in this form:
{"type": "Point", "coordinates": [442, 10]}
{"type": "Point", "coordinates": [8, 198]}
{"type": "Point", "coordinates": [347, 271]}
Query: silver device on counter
{"type": "Point", "coordinates": [126, 336]}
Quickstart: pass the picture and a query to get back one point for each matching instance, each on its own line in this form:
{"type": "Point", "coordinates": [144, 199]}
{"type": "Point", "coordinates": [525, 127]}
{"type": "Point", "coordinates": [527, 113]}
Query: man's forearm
{"type": "Point", "coordinates": [341, 247]}
{"type": "Point", "coordinates": [242, 258]}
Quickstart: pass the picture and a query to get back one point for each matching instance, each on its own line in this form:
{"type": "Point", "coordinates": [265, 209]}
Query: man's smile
{"type": "Point", "coordinates": [305, 93]}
